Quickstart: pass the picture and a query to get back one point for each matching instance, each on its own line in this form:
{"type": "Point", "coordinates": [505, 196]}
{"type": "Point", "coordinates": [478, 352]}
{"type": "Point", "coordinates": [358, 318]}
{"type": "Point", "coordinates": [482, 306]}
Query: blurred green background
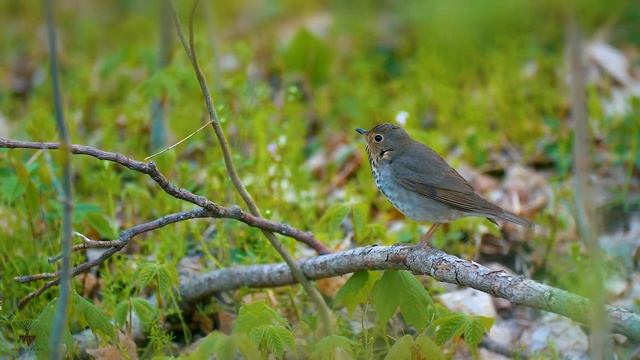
{"type": "Point", "coordinates": [482, 82]}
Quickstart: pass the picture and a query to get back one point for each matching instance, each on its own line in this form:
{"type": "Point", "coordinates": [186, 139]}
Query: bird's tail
{"type": "Point", "coordinates": [507, 216]}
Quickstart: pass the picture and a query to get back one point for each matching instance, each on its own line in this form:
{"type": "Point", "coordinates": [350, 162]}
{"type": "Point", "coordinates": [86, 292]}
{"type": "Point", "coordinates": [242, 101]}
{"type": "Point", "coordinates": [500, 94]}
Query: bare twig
{"type": "Point", "coordinates": [429, 261]}
{"type": "Point", "coordinates": [60, 319]}
{"type": "Point", "coordinates": [233, 174]}
{"type": "Point", "coordinates": [35, 277]}
{"type": "Point", "coordinates": [75, 271]}
{"type": "Point", "coordinates": [116, 245]}
{"type": "Point", "coordinates": [176, 144]}
{"type": "Point", "coordinates": [214, 210]}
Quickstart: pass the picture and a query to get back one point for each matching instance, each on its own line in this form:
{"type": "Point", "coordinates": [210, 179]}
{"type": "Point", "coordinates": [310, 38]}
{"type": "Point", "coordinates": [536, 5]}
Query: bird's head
{"type": "Point", "coordinates": [384, 140]}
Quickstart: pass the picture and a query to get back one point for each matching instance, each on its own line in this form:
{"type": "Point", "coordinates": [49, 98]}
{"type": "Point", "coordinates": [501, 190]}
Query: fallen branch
{"type": "Point", "coordinates": [435, 263]}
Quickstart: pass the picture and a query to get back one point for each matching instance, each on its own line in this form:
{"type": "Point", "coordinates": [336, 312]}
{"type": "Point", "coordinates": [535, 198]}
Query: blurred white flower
{"type": "Point", "coordinates": [228, 62]}
{"type": "Point", "coordinates": [273, 150]}
{"type": "Point", "coordinates": [401, 117]}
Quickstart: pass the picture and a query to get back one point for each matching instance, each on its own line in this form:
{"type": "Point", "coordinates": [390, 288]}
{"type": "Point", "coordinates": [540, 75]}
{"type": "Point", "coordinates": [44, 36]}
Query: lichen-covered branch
{"type": "Point", "coordinates": [435, 263]}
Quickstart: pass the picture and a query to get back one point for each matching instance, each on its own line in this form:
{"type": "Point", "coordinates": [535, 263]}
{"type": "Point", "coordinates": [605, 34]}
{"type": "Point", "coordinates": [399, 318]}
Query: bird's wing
{"type": "Point", "coordinates": [437, 180]}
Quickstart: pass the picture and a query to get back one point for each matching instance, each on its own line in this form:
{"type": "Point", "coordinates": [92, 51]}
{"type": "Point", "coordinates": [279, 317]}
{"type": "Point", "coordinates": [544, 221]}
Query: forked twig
{"type": "Point", "coordinates": [149, 169]}
{"type": "Point", "coordinates": [207, 209]}
{"type": "Point", "coordinates": [116, 245]}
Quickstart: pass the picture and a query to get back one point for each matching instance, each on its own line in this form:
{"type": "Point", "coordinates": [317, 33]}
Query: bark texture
{"type": "Point", "coordinates": [435, 263]}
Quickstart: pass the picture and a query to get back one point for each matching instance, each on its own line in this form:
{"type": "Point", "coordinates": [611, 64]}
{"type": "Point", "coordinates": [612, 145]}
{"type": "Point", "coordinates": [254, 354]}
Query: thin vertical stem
{"type": "Point", "coordinates": [583, 201]}
{"type": "Point", "coordinates": [158, 105]}
{"type": "Point", "coordinates": [60, 319]}
{"type": "Point", "coordinates": [235, 178]}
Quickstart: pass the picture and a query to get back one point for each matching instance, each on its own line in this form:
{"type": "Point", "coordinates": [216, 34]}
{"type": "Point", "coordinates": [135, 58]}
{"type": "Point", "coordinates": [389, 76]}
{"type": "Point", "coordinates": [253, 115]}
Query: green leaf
{"type": "Point", "coordinates": [308, 55]}
{"type": "Point", "coordinates": [448, 327]}
{"type": "Point", "coordinates": [31, 194]}
{"type": "Point", "coordinates": [415, 303]}
{"type": "Point", "coordinates": [82, 210]}
{"type": "Point", "coordinates": [255, 315]}
{"type": "Point", "coordinates": [385, 299]}
{"type": "Point", "coordinates": [487, 322]}
{"type": "Point", "coordinates": [357, 289]}
{"type": "Point", "coordinates": [208, 346]}
{"type": "Point", "coordinates": [93, 316]}
{"type": "Point", "coordinates": [167, 278]}
{"type": "Point", "coordinates": [226, 348]}
{"type": "Point", "coordinates": [334, 347]}
{"type": "Point", "coordinates": [475, 329]}
{"type": "Point", "coordinates": [359, 215]}
{"type": "Point", "coordinates": [247, 348]}
{"type": "Point", "coordinates": [276, 339]}
{"type": "Point", "coordinates": [332, 219]}
{"type": "Point", "coordinates": [146, 312]}
{"type": "Point", "coordinates": [160, 81]}
{"type": "Point", "coordinates": [101, 224]}
{"type": "Point", "coordinates": [121, 313]}
{"type": "Point", "coordinates": [158, 274]}
{"type": "Point", "coordinates": [145, 275]}
{"type": "Point", "coordinates": [135, 191]}
{"type": "Point", "coordinates": [428, 349]}
{"type": "Point", "coordinates": [402, 289]}
{"type": "Point", "coordinates": [42, 327]}
{"type": "Point", "coordinates": [401, 350]}
{"type": "Point", "coordinates": [372, 232]}
{"type": "Point", "coordinates": [473, 333]}
{"type": "Point", "coordinates": [11, 189]}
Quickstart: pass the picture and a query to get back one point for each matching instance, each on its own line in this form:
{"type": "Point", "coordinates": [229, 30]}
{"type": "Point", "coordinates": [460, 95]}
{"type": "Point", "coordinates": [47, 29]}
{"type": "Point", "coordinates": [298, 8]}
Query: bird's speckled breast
{"type": "Point", "coordinates": [411, 204]}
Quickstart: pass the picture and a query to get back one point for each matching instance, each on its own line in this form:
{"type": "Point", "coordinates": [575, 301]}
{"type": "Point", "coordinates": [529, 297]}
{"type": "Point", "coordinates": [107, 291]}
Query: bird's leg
{"type": "Point", "coordinates": [424, 240]}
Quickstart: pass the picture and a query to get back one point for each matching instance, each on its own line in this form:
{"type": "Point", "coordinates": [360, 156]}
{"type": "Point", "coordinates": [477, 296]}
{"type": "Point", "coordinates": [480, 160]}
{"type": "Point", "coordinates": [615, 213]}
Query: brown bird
{"type": "Point", "coordinates": [420, 184]}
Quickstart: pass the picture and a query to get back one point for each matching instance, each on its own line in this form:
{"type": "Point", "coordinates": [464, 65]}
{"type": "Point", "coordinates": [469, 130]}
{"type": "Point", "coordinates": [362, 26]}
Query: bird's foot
{"type": "Point", "coordinates": [424, 243]}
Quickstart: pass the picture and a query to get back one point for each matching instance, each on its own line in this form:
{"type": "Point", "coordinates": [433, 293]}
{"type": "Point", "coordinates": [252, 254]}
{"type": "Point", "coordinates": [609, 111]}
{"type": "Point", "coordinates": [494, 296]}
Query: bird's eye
{"type": "Point", "coordinates": [378, 138]}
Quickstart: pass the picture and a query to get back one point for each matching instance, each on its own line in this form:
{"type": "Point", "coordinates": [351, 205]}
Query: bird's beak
{"type": "Point", "coordinates": [361, 131]}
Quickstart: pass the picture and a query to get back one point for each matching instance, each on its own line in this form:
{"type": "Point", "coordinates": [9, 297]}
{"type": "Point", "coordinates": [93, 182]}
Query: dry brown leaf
{"type": "Point", "coordinates": [330, 286]}
{"type": "Point", "coordinates": [268, 296]}
{"type": "Point", "coordinates": [225, 321]}
{"type": "Point", "coordinates": [205, 323]}
{"type": "Point", "coordinates": [21, 76]}
{"type": "Point", "coordinates": [127, 349]}
{"type": "Point", "coordinates": [525, 191]}
{"type": "Point", "coordinates": [90, 284]}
